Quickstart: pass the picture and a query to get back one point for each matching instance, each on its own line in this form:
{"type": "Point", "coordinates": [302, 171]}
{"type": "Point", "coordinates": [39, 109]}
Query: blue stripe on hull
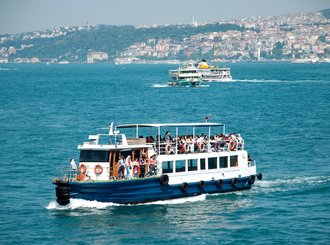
{"type": "Point", "coordinates": [146, 190]}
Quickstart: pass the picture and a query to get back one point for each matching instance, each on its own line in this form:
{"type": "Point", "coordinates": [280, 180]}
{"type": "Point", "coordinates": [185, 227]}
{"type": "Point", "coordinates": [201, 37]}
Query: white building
{"type": "Point", "coordinates": [92, 56]}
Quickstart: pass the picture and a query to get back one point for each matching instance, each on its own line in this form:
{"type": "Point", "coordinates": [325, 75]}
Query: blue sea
{"type": "Point", "coordinates": [282, 111]}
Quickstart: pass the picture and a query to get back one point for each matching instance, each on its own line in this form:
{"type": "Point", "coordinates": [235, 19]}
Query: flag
{"type": "Point", "coordinates": [207, 118]}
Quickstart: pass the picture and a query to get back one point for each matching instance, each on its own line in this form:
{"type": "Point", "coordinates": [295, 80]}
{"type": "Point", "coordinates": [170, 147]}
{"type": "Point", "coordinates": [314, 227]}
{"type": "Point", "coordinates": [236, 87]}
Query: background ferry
{"type": "Point", "coordinates": [187, 75]}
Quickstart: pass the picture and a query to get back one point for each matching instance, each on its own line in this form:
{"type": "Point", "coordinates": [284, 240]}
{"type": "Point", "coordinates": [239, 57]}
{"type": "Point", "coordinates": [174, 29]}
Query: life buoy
{"type": "Point", "coordinates": [98, 169]}
{"type": "Point", "coordinates": [184, 186]}
{"type": "Point", "coordinates": [201, 147]}
{"type": "Point", "coordinates": [234, 182]}
{"type": "Point", "coordinates": [231, 145]}
{"type": "Point", "coordinates": [201, 184]}
{"type": "Point", "coordinates": [186, 148]}
{"type": "Point", "coordinates": [163, 180]}
{"type": "Point", "coordinates": [83, 169]}
{"type": "Point", "coordinates": [168, 149]}
{"type": "Point", "coordinates": [80, 177]}
{"type": "Point", "coordinates": [219, 183]}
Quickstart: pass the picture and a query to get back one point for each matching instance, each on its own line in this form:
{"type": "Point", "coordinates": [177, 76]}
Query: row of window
{"type": "Point", "coordinates": [204, 163]}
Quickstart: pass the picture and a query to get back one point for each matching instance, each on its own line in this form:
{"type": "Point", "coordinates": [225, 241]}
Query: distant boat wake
{"type": "Point", "coordinates": [275, 81]}
{"type": "Point", "coordinates": [167, 86]}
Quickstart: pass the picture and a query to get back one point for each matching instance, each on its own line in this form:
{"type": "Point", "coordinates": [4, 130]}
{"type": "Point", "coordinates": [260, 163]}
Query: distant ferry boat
{"type": "Point", "coordinates": [141, 166]}
{"type": "Point", "coordinates": [211, 74]}
{"type": "Point", "coordinates": [187, 75]}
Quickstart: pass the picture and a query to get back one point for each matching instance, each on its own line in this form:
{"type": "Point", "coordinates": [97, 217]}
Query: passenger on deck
{"type": "Point", "coordinates": [239, 141]}
{"type": "Point", "coordinates": [181, 143]}
{"type": "Point", "coordinates": [167, 137]}
{"type": "Point", "coordinates": [222, 141]}
{"type": "Point", "coordinates": [152, 165]}
{"type": "Point", "coordinates": [73, 164]}
{"type": "Point", "coordinates": [142, 168]}
{"type": "Point", "coordinates": [128, 167]}
{"type": "Point", "coordinates": [136, 167]}
{"type": "Point", "coordinates": [121, 169]}
{"type": "Point", "coordinates": [232, 143]}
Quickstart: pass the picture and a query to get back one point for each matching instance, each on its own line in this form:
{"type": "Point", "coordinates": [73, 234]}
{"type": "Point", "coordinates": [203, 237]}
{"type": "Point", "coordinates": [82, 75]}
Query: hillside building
{"type": "Point", "coordinates": [96, 56]}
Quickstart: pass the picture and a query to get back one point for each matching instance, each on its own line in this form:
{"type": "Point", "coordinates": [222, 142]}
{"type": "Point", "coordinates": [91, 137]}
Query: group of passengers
{"type": "Point", "coordinates": [129, 168]}
{"type": "Point", "coordinates": [194, 143]}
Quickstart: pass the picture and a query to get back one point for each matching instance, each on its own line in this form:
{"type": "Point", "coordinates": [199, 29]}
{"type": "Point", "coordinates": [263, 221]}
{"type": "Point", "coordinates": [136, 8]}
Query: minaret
{"type": "Point", "coordinates": [259, 51]}
{"type": "Point", "coordinates": [194, 23]}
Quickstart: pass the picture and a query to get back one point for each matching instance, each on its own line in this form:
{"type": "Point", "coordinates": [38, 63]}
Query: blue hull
{"type": "Point", "coordinates": [142, 190]}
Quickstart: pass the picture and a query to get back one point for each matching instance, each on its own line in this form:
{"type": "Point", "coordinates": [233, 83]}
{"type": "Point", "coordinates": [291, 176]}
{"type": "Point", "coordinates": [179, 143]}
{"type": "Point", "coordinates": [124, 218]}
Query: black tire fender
{"type": "Point", "coordinates": [234, 182]}
{"type": "Point", "coordinates": [163, 180]}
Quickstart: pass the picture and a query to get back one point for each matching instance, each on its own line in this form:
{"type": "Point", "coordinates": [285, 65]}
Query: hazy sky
{"type": "Point", "coordinates": [28, 15]}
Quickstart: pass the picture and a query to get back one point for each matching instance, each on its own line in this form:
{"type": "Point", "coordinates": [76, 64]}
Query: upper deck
{"type": "Point", "coordinates": [166, 138]}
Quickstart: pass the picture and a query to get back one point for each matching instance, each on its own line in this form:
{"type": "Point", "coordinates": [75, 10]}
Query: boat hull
{"type": "Point", "coordinates": [144, 190]}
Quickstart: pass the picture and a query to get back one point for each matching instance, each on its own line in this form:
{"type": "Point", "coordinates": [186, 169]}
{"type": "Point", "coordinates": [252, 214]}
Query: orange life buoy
{"type": "Point", "coordinates": [80, 177]}
{"type": "Point", "coordinates": [98, 169]}
{"type": "Point", "coordinates": [201, 147]}
{"type": "Point", "coordinates": [168, 149]}
{"type": "Point", "coordinates": [186, 148]}
{"type": "Point", "coordinates": [83, 169]}
{"type": "Point", "coordinates": [231, 145]}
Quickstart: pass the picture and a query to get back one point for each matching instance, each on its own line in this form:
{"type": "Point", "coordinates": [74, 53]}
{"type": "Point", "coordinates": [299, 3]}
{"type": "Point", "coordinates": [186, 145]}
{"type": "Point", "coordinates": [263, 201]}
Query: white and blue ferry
{"type": "Point", "coordinates": [190, 160]}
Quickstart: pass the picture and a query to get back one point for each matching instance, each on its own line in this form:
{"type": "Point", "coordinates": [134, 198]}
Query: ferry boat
{"type": "Point", "coordinates": [211, 74]}
{"type": "Point", "coordinates": [192, 159]}
{"type": "Point", "coordinates": [188, 75]}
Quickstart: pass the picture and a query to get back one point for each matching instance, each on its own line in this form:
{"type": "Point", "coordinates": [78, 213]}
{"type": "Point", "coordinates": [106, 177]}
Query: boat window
{"type": "Point", "coordinates": [233, 161]}
{"type": "Point", "coordinates": [212, 163]}
{"type": "Point", "coordinates": [223, 162]}
{"type": "Point", "coordinates": [180, 166]}
{"type": "Point", "coordinates": [94, 156]}
{"type": "Point", "coordinates": [202, 162]}
{"type": "Point", "coordinates": [192, 164]}
{"type": "Point", "coordinates": [167, 166]}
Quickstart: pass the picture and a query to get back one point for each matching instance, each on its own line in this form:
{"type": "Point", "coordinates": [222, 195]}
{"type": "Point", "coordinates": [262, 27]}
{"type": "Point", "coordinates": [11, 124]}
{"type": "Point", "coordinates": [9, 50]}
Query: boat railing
{"type": "Point", "coordinates": [175, 147]}
{"type": "Point", "coordinates": [67, 173]}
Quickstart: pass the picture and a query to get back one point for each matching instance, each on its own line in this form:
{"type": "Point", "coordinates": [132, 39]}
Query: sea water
{"type": "Point", "coordinates": [280, 109]}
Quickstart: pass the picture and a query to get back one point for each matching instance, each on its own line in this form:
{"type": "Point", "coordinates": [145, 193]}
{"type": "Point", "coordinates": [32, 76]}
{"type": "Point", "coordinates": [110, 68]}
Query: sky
{"type": "Point", "coordinates": [18, 16]}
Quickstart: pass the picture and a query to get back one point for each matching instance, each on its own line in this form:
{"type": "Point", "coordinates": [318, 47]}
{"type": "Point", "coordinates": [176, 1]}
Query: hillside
{"type": "Point", "coordinates": [75, 45]}
{"type": "Point", "coordinates": [326, 13]}
{"type": "Point", "coordinates": [286, 37]}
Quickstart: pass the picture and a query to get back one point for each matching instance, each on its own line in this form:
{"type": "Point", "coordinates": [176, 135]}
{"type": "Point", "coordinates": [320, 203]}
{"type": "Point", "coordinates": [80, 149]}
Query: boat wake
{"type": "Point", "coordinates": [76, 204]}
{"type": "Point", "coordinates": [257, 81]}
{"type": "Point", "coordinates": [79, 204]}
{"type": "Point", "coordinates": [8, 69]}
{"type": "Point", "coordinates": [188, 86]}
{"type": "Point", "coordinates": [179, 200]}
{"type": "Point", "coordinates": [277, 81]}
{"type": "Point", "coordinates": [160, 86]}
{"type": "Point", "coordinates": [292, 184]}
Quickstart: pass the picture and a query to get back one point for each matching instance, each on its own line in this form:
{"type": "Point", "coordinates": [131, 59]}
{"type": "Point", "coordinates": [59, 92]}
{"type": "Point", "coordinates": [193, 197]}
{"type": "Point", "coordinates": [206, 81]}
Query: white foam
{"type": "Point", "coordinates": [179, 200]}
{"type": "Point", "coordinates": [188, 86]}
{"type": "Point", "coordinates": [290, 184]}
{"type": "Point", "coordinates": [276, 81]}
{"type": "Point", "coordinates": [80, 204]}
{"type": "Point", "coordinates": [76, 204]}
{"type": "Point", "coordinates": [160, 86]}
